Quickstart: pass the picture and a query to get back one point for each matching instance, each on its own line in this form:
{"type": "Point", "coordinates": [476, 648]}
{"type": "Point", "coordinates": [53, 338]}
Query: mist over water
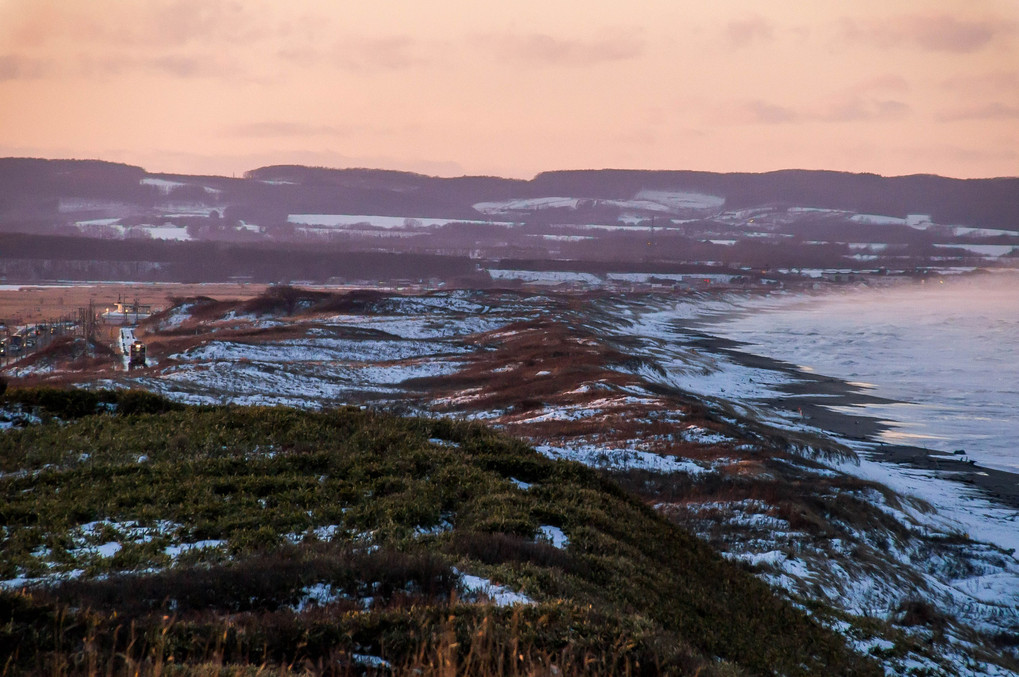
{"type": "Point", "coordinates": [946, 351]}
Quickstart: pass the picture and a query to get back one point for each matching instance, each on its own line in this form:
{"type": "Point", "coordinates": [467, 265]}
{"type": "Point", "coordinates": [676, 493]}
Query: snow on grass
{"type": "Point", "coordinates": [300, 382]}
{"type": "Point", "coordinates": [166, 232]}
{"type": "Point", "coordinates": [520, 484]}
{"type": "Point", "coordinates": [105, 550]}
{"type": "Point", "coordinates": [553, 535]}
{"type": "Point", "coordinates": [646, 200]}
{"type": "Point", "coordinates": [983, 232]}
{"type": "Point", "coordinates": [621, 459]}
{"type": "Point", "coordinates": [577, 412]}
{"type": "Point", "coordinates": [342, 221]}
{"type": "Point", "coordinates": [713, 376]}
{"type": "Point", "coordinates": [315, 350]}
{"type": "Point", "coordinates": [986, 250]}
{"type": "Point", "coordinates": [103, 540]}
{"type": "Point", "coordinates": [318, 594]}
{"type": "Point", "coordinates": [370, 661]}
{"type": "Point", "coordinates": [747, 514]}
{"type": "Point", "coordinates": [563, 238]}
{"type": "Point", "coordinates": [442, 527]}
{"type": "Point", "coordinates": [164, 185]}
{"type": "Point", "coordinates": [19, 582]}
{"type": "Point", "coordinates": [526, 204]}
{"type": "Point", "coordinates": [646, 278]}
{"type": "Point", "coordinates": [477, 589]}
{"type": "Point", "coordinates": [429, 326]}
{"type": "Point", "coordinates": [30, 370]}
{"type": "Point", "coordinates": [676, 200]}
{"type": "Point", "coordinates": [175, 551]}
{"type": "Point", "coordinates": [97, 221]}
{"type": "Point", "coordinates": [544, 277]}
{"type": "Point", "coordinates": [699, 435]}
{"type": "Point", "coordinates": [454, 303]}
{"type": "Point", "coordinates": [877, 220]}
{"type": "Point", "coordinates": [176, 317]}
{"type": "Point", "coordinates": [326, 533]}
{"type": "Point", "coordinates": [561, 413]}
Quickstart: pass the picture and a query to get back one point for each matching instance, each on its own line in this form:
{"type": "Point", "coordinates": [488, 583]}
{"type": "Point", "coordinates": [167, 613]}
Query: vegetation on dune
{"type": "Point", "coordinates": [170, 539]}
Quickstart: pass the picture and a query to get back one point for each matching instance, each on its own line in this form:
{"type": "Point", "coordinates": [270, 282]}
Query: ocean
{"type": "Point", "coordinates": [945, 350]}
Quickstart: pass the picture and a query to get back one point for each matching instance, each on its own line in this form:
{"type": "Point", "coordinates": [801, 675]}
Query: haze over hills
{"type": "Point", "coordinates": [649, 220]}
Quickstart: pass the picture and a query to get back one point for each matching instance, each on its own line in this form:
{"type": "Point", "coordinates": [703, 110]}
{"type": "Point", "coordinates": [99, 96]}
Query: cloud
{"type": "Point", "coordinates": [377, 54]}
{"type": "Point", "coordinates": [545, 49]}
{"type": "Point", "coordinates": [984, 84]}
{"type": "Point", "coordinates": [154, 24]}
{"type": "Point", "coordinates": [17, 67]}
{"type": "Point", "coordinates": [848, 108]}
{"type": "Point", "coordinates": [859, 108]}
{"type": "Point", "coordinates": [177, 65]}
{"type": "Point", "coordinates": [940, 33]}
{"type": "Point", "coordinates": [194, 21]}
{"type": "Point", "coordinates": [743, 31]}
{"type": "Point", "coordinates": [991, 111]}
{"type": "Point", "coordinates": [881, 83]}
{"type": "Point", "coordinates": [279, 129]}
{"type": "Point", "coordinates": [183, 66]}
{"type": "Point", "coordinates": [763, 112]}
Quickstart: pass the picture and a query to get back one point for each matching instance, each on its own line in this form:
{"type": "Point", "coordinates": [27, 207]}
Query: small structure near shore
{"type": "Point", "coordinates": [127, 313]}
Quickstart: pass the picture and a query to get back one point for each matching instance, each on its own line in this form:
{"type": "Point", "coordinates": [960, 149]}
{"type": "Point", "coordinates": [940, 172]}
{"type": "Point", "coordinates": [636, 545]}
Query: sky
{"type": "Point", "coordinates": [454, 87]}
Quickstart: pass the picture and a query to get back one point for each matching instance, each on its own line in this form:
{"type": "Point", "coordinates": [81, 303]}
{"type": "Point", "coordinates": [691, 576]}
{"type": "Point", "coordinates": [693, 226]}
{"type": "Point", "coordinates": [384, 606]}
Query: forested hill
{"type": "Point", "coordinates": [35, 188]}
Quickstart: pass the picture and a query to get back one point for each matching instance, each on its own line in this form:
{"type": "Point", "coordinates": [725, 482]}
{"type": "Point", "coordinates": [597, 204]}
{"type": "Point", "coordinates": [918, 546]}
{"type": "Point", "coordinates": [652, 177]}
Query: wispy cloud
{"type": "Point", "coordinates": [764, 112]}
{"type": "Point", "coordinates": [181, 65]}
{"type": "Point", "coordinates": [154, 24]}
{"type": "Point", "coordinates": [18, 67]}
{"type": "Point", "coordinates": [389, 53]}
{"type": "Point", "coordinates": [859, 108]}
{"type": "Point", "coordinates": [543, 49]}
{"type": "Point", "coordinates": [744, 31]}
{"type": "Point", "coordinates": [880, 83]}
{"type": "Point", "coordinates": [280, 129]}
{"type": "Point", "coordinates": [846, 107]}
{"type": "Point", "coordinates": [929, 32]}
{"type": "Point", "coordinates": [987, 84]}
{"type": "Point", "coordinates": [995, 110]}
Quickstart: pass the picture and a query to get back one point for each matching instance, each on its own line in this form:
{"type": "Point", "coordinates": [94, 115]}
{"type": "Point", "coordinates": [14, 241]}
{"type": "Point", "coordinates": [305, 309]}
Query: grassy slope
{"type": "Point", "coordinates": [631, 592]}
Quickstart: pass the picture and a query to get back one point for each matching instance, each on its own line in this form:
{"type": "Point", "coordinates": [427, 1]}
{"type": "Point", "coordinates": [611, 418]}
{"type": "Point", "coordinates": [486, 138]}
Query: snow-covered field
{"type": "Point", "coordinates": [342, 221]}
{"type": "Point", "coordinates": [661, 201]}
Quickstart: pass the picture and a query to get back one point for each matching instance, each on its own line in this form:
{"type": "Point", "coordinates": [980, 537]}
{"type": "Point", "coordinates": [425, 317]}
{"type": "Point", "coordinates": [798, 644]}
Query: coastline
{"type": "Point", "coordinates": [812, 395]}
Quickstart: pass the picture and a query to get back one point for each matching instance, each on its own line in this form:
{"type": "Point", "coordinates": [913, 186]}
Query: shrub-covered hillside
{"type": "Point", "coordinates": [143, 537]}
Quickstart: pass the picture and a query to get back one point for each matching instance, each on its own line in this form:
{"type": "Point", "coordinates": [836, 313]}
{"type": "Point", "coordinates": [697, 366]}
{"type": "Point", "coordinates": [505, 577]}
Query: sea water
{"type": "Point", "coordinates": [945, 350]}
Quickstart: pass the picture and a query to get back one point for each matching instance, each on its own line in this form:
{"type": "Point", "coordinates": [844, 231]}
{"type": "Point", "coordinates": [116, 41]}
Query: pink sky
{"type": "Point", "coordinates": [454, 87]}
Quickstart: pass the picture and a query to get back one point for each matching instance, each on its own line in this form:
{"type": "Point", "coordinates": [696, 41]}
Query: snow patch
{"type": "Point", "coordinates": [553, 535]}
{"type": "Point", "coordinates": [621, 459]}
{"type": "Point", "coordinates": [475, 588]}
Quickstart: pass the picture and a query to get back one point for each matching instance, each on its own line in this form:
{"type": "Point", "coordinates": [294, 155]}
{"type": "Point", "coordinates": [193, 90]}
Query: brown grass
{"type": "Point", "coordinates": [32, 303]}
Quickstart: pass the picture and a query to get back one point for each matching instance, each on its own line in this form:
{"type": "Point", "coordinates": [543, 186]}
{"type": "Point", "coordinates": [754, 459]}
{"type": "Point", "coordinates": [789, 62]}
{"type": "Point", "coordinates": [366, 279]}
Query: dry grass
{"type": "Point", "coordinates": [32, 304]}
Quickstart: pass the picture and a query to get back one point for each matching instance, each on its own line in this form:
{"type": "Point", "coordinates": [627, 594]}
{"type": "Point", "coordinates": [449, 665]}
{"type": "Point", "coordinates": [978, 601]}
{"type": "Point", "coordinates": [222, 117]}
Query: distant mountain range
{"type": "Point", "coordinates": [791, 218]}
